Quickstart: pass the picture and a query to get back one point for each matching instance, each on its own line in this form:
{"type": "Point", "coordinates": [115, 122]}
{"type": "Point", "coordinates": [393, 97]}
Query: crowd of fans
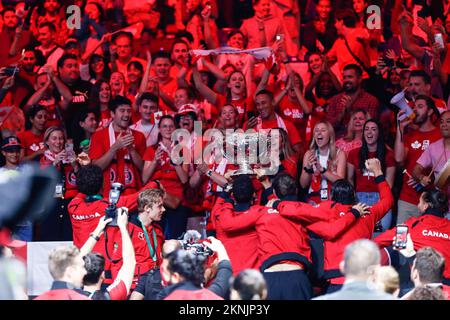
{"type": "Point", "coordinates": [361, 111]}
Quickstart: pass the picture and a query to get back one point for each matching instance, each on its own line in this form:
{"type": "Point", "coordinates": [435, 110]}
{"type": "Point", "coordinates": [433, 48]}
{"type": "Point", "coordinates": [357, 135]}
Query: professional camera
{"type": "Point", "coordinates": [193, 243]}
{"type": "Point", "coordinates": [111, 210]}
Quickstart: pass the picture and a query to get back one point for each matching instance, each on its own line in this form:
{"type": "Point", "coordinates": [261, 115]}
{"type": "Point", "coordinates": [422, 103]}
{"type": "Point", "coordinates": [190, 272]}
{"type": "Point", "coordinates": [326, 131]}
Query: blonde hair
{"type": "Point", "coordinates": [50, 130]}
{"type": "Point", "coordinates": [331, 143]}
{"type": "Point", "coordinates": [149, 197]}
{"type": "Point", "coordinates": [388, 278]}
{"type": "Point", "coordinates": [60, 259]}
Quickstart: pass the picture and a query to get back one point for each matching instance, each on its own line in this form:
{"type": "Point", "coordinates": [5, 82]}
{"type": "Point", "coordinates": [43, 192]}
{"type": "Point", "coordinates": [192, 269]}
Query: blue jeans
{"type": "Point", "coordinates": [370, 198]}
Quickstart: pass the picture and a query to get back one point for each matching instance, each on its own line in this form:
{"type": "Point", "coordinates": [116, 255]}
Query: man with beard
{"type": "Point", "coordinates": [26, 78]}
{"type": "Point", "coordinates": [167, 83]}
{"type": "Point", "coordinates": [436, 155]}
{"type": "Point", "coordinates": [118, 150]}
{"type": "Point", "coordinates": [420, 84]}
{"type": "Point", "coordinates": [353, 97]}
{"type": "Point", "coordinates": [180, 57]}
{"type": "Point", "coordinates": [269, 119]}
{"type": "Point", "coordinates": [69, 73]}
{"type": "Point", "coordinates": [409, 144]}
{"type": "Point", "coordinates": [12, 34]}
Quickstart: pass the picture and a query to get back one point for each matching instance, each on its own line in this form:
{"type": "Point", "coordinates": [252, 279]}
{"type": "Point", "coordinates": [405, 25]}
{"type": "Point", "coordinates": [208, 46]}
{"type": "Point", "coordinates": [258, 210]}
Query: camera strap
{"type": "Point", "coordinates": [147, 239]}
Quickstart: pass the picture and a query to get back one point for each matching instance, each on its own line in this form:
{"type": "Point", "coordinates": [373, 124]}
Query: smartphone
{"type": "Point", "coordinates": [11, 71]}
{"type": "Point", "coordinates": [250, 114]}
{"type": "Point", "coordinates": [439, 39]}
{"type": "Point", "coordinates": [401, 234]}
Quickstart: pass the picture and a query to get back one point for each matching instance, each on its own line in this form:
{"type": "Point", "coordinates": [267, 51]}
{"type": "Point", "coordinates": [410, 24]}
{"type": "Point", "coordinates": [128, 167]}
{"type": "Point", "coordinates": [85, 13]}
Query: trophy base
{"type": "Point", "coordinates": [243, 171]}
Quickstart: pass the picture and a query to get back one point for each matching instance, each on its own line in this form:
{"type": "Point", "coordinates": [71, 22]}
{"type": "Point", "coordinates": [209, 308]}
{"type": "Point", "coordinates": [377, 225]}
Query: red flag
{"type": "Point", "coordinates": [4, 113]}
{"type": "Point", "coordinates": [134, 29]}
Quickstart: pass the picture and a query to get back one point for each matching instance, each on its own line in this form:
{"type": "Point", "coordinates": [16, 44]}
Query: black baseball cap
{"type": "Point", "coordinates": [11, 144]}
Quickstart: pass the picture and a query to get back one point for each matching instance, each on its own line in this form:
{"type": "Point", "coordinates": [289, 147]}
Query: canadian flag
{"type": "Point", "coordinates": [156, 117]}
{"type": "Point", "coordinates": [4, 113]}
{"type": "Point", "coordinates": [134, 29]}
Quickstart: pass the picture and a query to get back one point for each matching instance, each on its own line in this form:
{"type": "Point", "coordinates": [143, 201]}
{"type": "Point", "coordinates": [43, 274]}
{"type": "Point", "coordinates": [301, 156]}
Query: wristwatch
{"type": "Point", "coordinates": [96, 238]}
{"type": "Point", "coordinates": [308, 170]}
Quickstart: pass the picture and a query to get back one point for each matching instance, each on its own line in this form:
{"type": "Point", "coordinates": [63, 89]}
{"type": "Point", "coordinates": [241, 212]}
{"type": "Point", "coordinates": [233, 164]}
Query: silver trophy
{"type": "Point", "coordinates": [246, 149]}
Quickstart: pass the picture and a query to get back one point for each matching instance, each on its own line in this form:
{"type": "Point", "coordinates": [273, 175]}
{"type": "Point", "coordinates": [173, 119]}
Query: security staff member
{"type": "Point", "coordinates": [283, 244]}
{"type": "Point", "coordinates": [342, 199]}
{"type": "Point", "coordinates": [431, 229]}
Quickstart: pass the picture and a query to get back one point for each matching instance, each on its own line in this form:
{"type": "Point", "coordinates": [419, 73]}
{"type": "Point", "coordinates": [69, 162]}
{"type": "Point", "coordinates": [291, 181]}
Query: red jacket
{"type": "Point", "coordinates": [277, 235]}
{"type": "Point", "coordinates": [428, 230]}
{"type": "Point", "coordinates": [242, 246]}
{"type": "Point", "coordinates": [362, 228]}
{"type": "Point", "coordinates": [85, 215]}
{"type": "Point", "coordinates": [144, 261]}
{"type": "Point", "coordinates": [60, 291]}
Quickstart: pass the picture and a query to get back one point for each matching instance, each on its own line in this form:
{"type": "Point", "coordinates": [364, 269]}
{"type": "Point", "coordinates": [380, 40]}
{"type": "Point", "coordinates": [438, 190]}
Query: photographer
{"type": "Point", "coordinates": [95, 263]}
{"type": "Point", "coordinates": [185, 274]}
{"type": "Point", "coordinates": [88, 207]}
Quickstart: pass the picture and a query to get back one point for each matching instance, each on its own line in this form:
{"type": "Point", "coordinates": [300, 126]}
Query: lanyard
{"type": "Point", "coordinates": [150, 248]}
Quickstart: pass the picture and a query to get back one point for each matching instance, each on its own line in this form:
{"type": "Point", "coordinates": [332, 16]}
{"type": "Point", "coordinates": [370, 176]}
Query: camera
{"type": "Point", "coordinates": [111, 210]}
{"type": "Point", "coordinates": [197, 248]}
{"type": "Point", "coordinates": [192, 242]}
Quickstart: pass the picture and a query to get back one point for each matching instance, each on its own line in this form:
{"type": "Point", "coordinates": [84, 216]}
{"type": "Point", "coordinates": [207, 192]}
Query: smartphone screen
{"type": "Point", "coordinates": [401, 236]}
{"type": "Point", "coordinates": [250, 114]}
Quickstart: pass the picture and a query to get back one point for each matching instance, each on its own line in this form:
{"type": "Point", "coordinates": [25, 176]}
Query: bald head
{"type": "Point", "coordinates": [359, 257]}
{"type": "Point", "coordinates": [169, 246]}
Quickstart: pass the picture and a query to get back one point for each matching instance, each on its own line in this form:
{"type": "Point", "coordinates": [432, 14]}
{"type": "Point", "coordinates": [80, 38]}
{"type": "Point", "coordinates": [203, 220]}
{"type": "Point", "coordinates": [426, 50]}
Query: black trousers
{"type": "Point", "coordinates": [57, 225]}
{"type": "Point", "coordinates": [288, 285]}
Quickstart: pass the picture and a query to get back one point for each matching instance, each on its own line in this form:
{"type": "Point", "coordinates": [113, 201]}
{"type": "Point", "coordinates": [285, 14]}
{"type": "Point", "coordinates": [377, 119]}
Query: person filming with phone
{"type": "Point", "coordinates": [431, 229]}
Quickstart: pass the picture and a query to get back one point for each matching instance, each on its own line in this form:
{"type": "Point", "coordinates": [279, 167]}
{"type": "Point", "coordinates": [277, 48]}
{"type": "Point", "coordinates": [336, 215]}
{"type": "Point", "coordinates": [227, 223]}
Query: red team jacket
{"type": "Point", "coordinates": [428, 230]}
{"type": "Point", "coordinates": [144, 261]}
{"type": "Point", "coordinates": [277, 235]}
{"type": "Point", "coordinates": [335, 242]}
{"type": "Point", "coordinates": [241, 246]}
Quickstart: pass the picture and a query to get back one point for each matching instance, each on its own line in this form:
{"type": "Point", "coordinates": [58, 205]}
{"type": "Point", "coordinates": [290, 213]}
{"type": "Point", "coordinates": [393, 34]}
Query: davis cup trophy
{"type": "Point", "coordinates": [247, 149]}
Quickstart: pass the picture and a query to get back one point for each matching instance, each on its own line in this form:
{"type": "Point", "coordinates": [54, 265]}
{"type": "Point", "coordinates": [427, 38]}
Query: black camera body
{"type": "Point", "coordinates": [197, 248]}
{"type": "Point", "coordinates": [114, 196]}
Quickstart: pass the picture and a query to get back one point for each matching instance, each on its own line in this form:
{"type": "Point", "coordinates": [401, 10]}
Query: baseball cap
{"type": "Point", "coordinates": [71, 42]}
{"type": "Point", "coordinates": [186, 108]}
{"type": "Point", "coordinates": [11, 143]}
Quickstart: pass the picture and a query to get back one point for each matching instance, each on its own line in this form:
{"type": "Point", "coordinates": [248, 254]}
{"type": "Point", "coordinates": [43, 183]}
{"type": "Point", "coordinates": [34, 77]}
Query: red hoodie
{"type": "Point", "coordinates": [335, 243]}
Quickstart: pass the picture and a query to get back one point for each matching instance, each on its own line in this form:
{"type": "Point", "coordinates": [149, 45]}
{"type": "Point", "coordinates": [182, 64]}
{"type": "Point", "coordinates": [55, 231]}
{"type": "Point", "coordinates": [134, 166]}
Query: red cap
{"type": "Point", "coordinates": [186, 108]}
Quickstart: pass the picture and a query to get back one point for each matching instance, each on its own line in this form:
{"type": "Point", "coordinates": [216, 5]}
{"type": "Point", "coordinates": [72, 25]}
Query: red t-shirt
{"type": "Point", "coordinates": [165, 173]}
{"type": "Point", "coordinates": [120, 169]}
{"type": "Point", "coordinates": [168, 88]}
{"type": "Point", "coordinates": [365, 182]}
{"type": "Point", "coordinates": [242, 105]}
{"type": "Point", "coordinates": [31, 142]}
{"type": "Point", "coordinates": [416, 142]}
{"type": "Point", "coordinates": [293, 112]}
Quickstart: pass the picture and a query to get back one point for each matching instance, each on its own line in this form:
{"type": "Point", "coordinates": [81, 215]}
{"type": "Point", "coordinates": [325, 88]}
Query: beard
{"type": "Point", "coordinates": [349, 88]}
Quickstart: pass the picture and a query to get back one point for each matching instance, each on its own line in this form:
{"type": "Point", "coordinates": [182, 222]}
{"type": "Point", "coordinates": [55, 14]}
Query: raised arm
{"type": "Point", "coordinates": [206, 92]}
{"type": "Point", "coordinates": [406, 24]}
{"type": "Point", "coordinates": [126, 272]}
